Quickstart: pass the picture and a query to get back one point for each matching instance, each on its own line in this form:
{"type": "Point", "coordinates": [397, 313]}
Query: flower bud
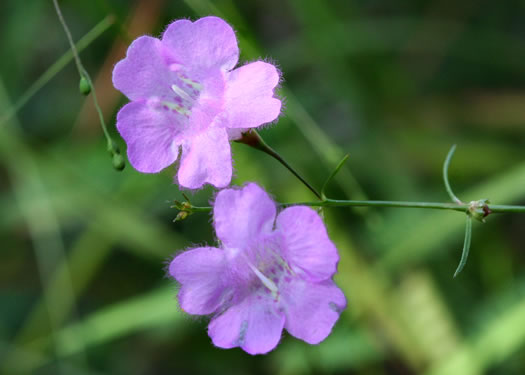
{"type": "Point", "coordinates": [181, 216]}
{"type": "Point", "coordinates": [84, 86]}
{"type": "Point", "coordinates": [118, 162]}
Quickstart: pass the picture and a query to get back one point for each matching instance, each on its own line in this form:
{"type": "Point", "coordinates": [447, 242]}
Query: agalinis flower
{"type": "Point", "coordinates": [270, 273]}
{"type": "Point", "coordinates": [185, 95]}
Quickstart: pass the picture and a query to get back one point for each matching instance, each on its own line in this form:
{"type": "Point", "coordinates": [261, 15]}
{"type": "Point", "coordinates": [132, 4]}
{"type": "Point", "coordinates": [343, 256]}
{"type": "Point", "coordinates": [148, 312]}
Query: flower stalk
{"type": "Point", "coordinates": [253, 139]}
{"type": "Point", "coordinates": [86, 87]}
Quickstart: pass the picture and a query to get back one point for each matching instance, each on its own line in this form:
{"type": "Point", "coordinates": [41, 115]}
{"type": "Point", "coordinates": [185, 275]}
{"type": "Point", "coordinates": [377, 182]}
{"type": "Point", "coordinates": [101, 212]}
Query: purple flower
{"type": "Point", "coordinates": [185, 95]}
{"type": "Point", "coordinates": [270, 273]}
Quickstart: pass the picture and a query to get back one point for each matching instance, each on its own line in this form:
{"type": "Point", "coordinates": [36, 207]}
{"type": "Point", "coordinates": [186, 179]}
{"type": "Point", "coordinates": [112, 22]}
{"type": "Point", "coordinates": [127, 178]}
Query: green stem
{"type": "Point", "coordinates": [80, 68]}
{"type": "Point", "coordinates": [494, 208]}
{"type": "Point", "coordinates": [461, 207]}
{"type": "Point", "coordinates": [112, 147]}
{"type": "Point", "coordinates": [399, 204]}
{"type": "Point", "coordinates": [503, 208]}
{"type": "Point", "coordinates": [53, 70]}
{"type": "Point", "coordinates": [253, 139]}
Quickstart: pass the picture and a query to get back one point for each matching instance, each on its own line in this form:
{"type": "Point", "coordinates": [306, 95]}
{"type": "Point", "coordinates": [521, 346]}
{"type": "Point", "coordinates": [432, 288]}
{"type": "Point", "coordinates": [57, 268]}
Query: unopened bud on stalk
{"type": "Point", "coordinates": [118, 162]}
{"type": "Point", "coordinates": [84, 86]}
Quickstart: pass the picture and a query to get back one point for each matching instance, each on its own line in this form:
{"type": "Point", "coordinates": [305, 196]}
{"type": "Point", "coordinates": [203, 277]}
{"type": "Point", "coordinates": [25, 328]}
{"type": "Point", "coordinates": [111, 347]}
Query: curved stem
{"type": "Point", "coordinates": [466, 246]}
{"type": "Point", "coordinates": [253, 139]}
{"type": "Point", "coordinates": [445, 175]}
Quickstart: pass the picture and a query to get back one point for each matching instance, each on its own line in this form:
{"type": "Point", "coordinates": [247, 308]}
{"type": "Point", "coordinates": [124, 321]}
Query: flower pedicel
{"type": "Point", "coordinates": [185, 95]}
{"type": "Point", "coordinates": [271, 272]}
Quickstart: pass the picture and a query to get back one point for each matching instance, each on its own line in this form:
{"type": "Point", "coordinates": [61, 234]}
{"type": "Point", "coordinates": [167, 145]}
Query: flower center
{"type": "Point", "coordinates": [266, 281]}
{"type": "Point", "coordinates": [271, 270]}
{"type": "Point", "coordinates": [186, 92]}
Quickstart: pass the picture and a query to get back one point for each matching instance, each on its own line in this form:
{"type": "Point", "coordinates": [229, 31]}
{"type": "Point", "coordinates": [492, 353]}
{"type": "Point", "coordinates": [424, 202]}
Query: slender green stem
{"type": "Point", "coordinates": [445, 175]}
{"type": "Point", "coordinates": [461, 207]}
{"type": "Point", "coordinates": [253, 139]}
{"type": "Point", "coordinates": [97, 107]}
{"type": "Point", "coordinates": [112, 147]}
{"type": "Point", "coordinates": [53, 70]}
{"type": "Point", "coordinates": [80, 68]}
{"type": "Point", "coordinates": [278, 157]}
{"type": "Point", "coordinates": [82, 71]}
{"type": "Point", "coordinates": [398, 204]}
{"type": "Point", "coordinates": [503, 208]}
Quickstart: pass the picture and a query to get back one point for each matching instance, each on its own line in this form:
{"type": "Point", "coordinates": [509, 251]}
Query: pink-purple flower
{"type": "Point", "coordinates": [271, 272]}
{"type": "Point", "coordinates": [186, 98]}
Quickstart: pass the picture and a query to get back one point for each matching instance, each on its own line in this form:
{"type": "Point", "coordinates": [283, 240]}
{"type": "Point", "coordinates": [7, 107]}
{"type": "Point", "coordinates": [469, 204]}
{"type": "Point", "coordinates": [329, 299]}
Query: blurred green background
{"type": "Point", "coordinates": [83, 288]}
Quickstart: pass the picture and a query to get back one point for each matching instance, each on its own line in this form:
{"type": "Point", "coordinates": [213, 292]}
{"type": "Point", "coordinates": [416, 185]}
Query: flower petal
{"type": "Point", "coordinates": [206, 158]}
{"type": "Point", "coordinates": [254, 324]}
{"type": "Point", "coordinates": [249, 100]}
{"type": "Point", "coordinates": [143, 73]}
{"type": "Point", "coordinates": [201, 273]}
{"type": "Point", "coordinates": [243, 215]}
{"type": "Point", "coordinates": [151, 134]}
{"type": "Point", "coordinates": [307, 246]}
{"type": "Point", "coordinates": [207, 43]}
{"type": "Point", "coordinates": [311, 309]}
